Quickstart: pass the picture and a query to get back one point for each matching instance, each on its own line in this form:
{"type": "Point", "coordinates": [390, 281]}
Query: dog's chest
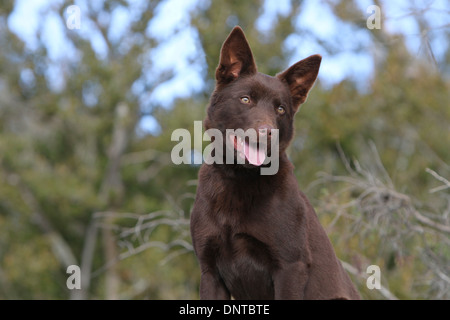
{"type": "Point", "coordinates": [245, 265]}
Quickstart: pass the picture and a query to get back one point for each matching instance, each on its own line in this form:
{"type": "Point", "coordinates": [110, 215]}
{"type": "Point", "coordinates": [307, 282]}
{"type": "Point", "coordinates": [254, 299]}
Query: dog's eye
{"type": "Point", "coordinates": [281, 110]}
{"type": "Point", "coordinates": [245, 99]}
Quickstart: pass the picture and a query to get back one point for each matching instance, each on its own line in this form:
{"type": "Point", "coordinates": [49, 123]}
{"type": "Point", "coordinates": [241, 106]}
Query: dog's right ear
{"type": "Point", "coordinates": [301, 77]}
{"type": "Point", "coordinates": [236, 58]}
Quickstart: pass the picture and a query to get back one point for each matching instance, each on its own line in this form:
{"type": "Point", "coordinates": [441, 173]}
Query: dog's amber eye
{"type": "Point", "coordinates": [245, 99]}
{"type": "Point", "coordinates": [281, 110]}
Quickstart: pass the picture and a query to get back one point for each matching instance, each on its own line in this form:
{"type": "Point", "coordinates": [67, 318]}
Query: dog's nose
{"type": "Point", "coordinates": [265, 129]}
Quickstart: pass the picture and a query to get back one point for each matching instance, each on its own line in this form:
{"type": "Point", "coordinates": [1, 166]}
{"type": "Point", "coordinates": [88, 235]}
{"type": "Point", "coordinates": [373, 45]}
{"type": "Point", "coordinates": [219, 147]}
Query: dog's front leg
{"type": "Point", "coordinates": [290, 281]}
{"type": "Point", "coordinates": [212, 287]}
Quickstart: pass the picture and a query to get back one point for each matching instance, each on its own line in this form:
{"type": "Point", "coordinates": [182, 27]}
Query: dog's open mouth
{"type": "Point", "coordinates": [254, 153]}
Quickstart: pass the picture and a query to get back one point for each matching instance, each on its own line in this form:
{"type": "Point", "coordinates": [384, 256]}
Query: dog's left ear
{"type": "Point", "coordinates": [236, 58]}
{"type": "Point", "coordinates": [300, 78]}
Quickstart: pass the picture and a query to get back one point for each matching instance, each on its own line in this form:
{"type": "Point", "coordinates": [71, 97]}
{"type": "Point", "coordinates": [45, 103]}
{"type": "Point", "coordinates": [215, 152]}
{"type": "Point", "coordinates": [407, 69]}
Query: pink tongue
{"type": "Point", "coordinates": [254, 155]}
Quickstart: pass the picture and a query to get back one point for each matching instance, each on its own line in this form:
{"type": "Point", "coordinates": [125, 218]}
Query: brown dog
{"type": "Point", "coordinates": [257, 236]}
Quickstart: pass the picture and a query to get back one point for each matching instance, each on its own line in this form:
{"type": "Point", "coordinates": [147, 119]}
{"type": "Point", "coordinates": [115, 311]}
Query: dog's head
{"type": "Point", "coordinates": [249, 100]}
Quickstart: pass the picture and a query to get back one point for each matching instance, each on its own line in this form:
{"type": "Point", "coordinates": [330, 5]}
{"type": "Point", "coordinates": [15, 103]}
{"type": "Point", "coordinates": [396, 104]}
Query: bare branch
{"type": "Point", "coordinates": [429, 222]}
{"type": "Point", "coordinates": [396, 217]}
{"type": "Point", "coordinates": [440, 178]}
{"type": "Point", "coordinates": [138, 238]}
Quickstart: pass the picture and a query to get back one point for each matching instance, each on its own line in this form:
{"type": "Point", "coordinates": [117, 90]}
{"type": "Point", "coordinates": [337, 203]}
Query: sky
{"type": "Point", "coordinates": [171, 27]}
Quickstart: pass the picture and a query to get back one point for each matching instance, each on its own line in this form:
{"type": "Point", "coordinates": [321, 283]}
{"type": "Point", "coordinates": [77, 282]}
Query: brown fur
{"type": "Point", "coordinates": [257, 236]}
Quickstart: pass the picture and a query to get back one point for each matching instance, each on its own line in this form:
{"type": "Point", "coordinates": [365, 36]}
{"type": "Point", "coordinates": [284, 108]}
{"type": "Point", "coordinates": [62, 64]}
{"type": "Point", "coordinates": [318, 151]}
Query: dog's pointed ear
{"type": "Point", "coordinates": [236, 58]}
{"type": "Point", "coordinates": [300, 78]}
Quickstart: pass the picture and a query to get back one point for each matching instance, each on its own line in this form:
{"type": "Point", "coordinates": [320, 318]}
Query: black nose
{"type": "Point", "coordinates": [265, 129]}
